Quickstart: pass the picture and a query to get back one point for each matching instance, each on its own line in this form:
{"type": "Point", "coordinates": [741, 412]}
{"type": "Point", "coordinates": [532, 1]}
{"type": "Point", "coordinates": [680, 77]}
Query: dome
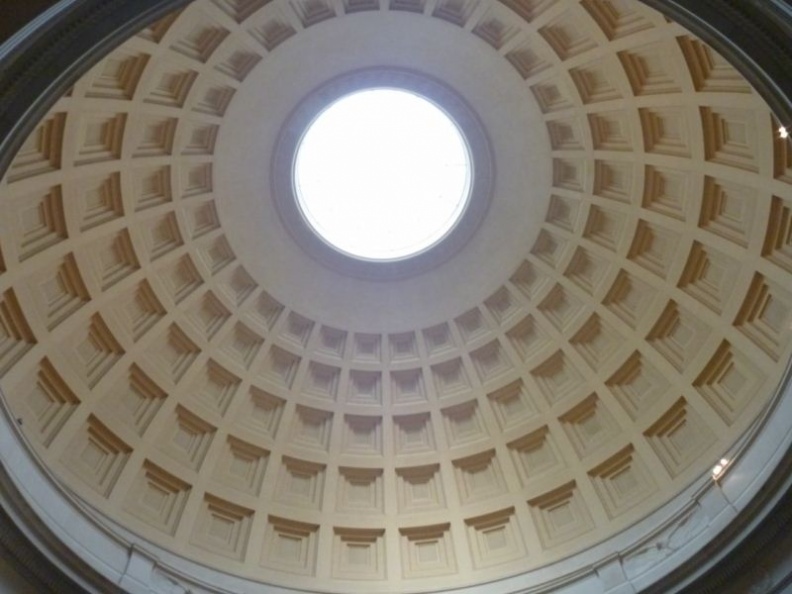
{"type": "Point", "coordinates": [572, 389]}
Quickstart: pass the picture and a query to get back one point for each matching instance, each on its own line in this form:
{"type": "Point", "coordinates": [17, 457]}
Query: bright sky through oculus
{"type": "Point", "coordinates": [382, 174]}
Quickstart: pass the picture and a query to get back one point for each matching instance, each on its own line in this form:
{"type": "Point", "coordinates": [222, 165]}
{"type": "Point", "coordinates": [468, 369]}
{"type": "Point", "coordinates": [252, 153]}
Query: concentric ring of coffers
{"type": "Point", "coordinates": [162, 383]}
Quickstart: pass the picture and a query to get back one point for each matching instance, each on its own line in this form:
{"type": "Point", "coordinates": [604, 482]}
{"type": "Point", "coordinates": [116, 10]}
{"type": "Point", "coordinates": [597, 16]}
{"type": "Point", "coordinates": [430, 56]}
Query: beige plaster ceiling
{"type": "Point", "coordinates": [616, 325]}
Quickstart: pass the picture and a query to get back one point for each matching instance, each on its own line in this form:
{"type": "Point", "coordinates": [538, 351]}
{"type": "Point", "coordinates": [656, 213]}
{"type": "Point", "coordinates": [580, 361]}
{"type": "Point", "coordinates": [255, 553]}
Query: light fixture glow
{"type": "Point", "coordinates": [783, 132]}
{"type": "Point", "coordinates": [719, 468]}
{"type": "Point", "coordinates": [382, 174]}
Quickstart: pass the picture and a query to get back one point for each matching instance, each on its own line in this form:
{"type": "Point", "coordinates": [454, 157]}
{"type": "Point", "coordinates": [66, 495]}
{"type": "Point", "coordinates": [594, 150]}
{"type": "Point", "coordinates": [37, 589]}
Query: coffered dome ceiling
{"type": "Point", "coordinates": [206, 387]}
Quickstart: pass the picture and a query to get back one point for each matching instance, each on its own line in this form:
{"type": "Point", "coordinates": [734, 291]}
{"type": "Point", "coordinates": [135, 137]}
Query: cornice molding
{"type": "Point", "coordinates": [760, 527]}
{"type": "Point", "coordinates": [36, 553]}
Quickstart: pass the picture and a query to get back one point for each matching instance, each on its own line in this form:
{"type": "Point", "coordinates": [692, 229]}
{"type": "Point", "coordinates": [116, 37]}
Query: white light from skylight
{"type": "Point", "coordinates": [382, 174]}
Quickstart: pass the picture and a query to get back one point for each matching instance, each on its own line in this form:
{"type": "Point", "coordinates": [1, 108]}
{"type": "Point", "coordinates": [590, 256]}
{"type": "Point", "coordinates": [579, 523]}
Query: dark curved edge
{"type": "Point", "coordinates": [14, 19]}
{"type": "Point", "coordinates": [19, 527]}
{"type": "Point", "coordinates": [754, 35]}
{"type": "Point", "coordinates": [64, 42]}
{"type": "Point", "coordinates": [59, 46]}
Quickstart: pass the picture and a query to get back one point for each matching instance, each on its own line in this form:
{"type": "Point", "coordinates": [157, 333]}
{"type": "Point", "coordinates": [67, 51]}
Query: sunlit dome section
{"type": "Point", "coordinates": [382, 174]}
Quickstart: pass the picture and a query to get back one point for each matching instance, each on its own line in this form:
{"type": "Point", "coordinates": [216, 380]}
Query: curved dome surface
{"type": "Point", "coordinates": [529, 404]}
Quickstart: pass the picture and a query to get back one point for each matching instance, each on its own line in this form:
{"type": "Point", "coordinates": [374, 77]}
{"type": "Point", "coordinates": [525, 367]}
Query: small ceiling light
{"type": "Point", "coordinates": [783, 132]}
{"type": "Point", "coordinates": [719, 468]}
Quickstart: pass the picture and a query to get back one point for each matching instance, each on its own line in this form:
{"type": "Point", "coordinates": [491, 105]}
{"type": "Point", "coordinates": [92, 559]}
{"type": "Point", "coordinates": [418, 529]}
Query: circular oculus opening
{"type": "Point", "coordinates": [382, 174]}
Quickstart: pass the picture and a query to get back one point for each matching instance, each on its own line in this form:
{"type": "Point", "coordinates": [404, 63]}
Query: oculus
{"type": "Point", "coordinates": [382, 174]}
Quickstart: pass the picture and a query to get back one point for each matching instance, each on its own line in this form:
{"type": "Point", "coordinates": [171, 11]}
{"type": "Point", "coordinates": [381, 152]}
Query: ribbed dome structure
{"type": "Point", "coordinates": [547, 394]}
